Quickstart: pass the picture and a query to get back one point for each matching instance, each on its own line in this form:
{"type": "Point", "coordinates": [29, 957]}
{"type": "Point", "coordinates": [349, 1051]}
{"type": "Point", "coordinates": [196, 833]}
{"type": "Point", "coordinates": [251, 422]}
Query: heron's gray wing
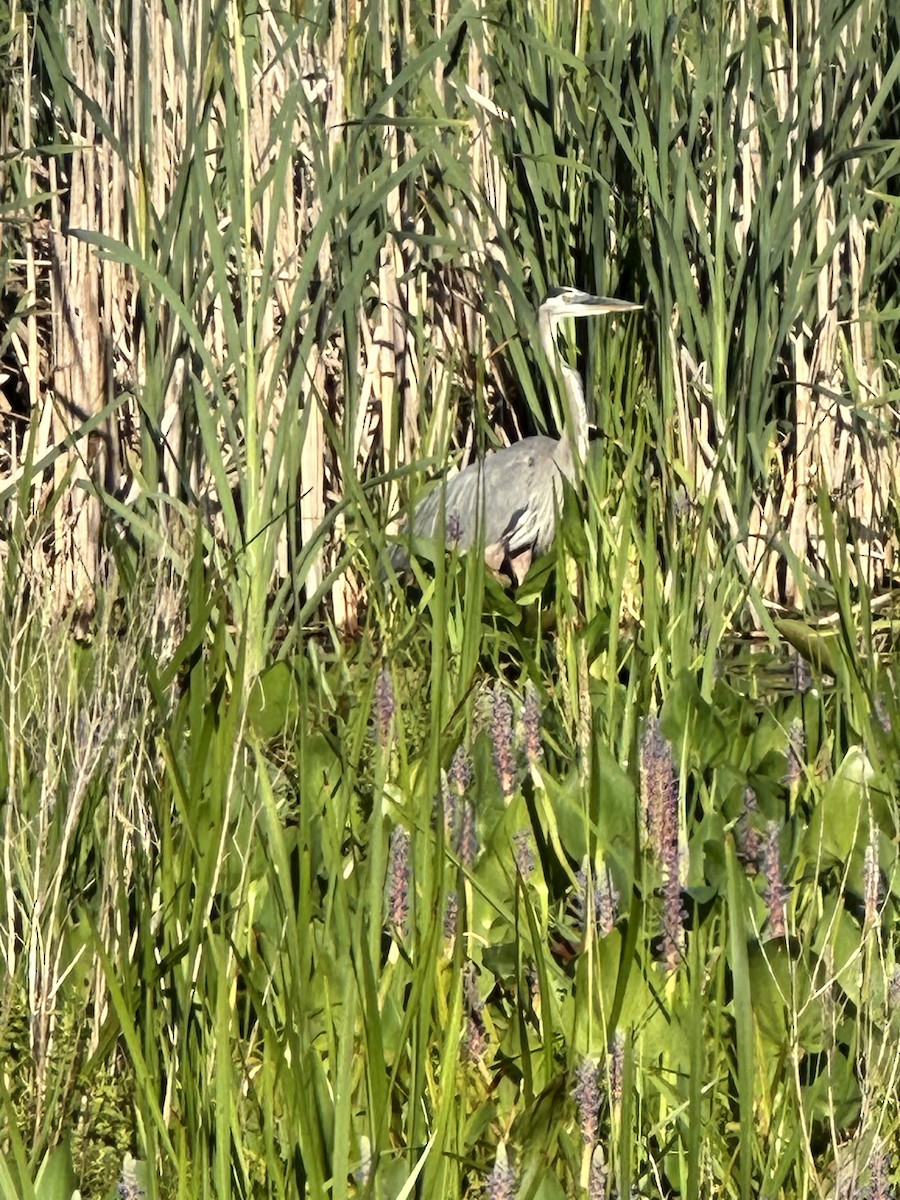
{"type": "Point", "coordinates": [509, 498]}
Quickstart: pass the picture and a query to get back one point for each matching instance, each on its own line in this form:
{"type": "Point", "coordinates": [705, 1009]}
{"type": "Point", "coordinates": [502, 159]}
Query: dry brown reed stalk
{"type": "Point", "coordinates": [81, 325]}
{"type": "Point", "coordinates": [21, 253]}
{"type": "Point", "coordinates": [31, 360]}
{"type": "Point", "coordinates": [155, 117]}
{"type": "Point", "coordinates": [328, 104]}
{"type": "Point", "coordinates": [854, 466]}
{"type": "Point", "coordinates": [147, 90]}
{"type": "Point", "coordinates": [824, 447]}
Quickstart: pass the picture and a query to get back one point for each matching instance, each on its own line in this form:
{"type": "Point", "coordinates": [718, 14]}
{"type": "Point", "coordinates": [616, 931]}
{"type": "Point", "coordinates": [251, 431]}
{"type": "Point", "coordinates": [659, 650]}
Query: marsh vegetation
{"type": "Point", "coordinates": [317, 884]}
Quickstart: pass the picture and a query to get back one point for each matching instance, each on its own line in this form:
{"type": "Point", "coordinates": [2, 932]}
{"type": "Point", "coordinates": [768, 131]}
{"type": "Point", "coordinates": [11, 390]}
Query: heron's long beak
{"type": "Point", "coordinates": [585, 305]}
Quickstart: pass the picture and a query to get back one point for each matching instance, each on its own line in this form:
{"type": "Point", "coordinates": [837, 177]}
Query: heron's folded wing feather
{"type": "Point", "coordinates": [510, 496]}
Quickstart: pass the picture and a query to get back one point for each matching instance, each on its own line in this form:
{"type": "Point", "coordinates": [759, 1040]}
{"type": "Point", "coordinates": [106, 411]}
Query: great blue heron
{"type": "Point", "coordinates": [508, 500]}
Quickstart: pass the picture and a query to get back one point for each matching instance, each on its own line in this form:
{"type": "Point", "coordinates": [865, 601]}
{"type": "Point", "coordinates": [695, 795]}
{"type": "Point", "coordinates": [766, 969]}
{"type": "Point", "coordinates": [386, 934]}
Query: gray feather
{"type": "Point", "coordinates": [508, 499]}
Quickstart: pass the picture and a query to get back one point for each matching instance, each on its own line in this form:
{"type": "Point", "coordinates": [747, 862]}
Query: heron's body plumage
{"type": "Point", "coordinates": [464, 510]}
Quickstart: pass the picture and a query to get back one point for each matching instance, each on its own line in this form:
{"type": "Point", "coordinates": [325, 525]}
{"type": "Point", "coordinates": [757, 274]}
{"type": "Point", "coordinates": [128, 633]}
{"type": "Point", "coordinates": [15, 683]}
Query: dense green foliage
{"type": "Point", "coordinates": [381, 917]}
{"type": "Point", "coordinates": [590, 889]}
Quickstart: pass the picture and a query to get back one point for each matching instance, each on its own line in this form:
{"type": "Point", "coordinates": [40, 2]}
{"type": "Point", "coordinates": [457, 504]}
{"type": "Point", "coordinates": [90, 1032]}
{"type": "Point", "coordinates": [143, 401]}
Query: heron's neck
{"type": "Point", "coordinates": [574, 432]}
{"type": "Point", "coordinates": [576, 423]}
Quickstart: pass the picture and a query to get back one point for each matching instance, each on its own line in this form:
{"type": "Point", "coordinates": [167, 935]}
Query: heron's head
{"type": "Point", "coordinates": [570, 302]}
